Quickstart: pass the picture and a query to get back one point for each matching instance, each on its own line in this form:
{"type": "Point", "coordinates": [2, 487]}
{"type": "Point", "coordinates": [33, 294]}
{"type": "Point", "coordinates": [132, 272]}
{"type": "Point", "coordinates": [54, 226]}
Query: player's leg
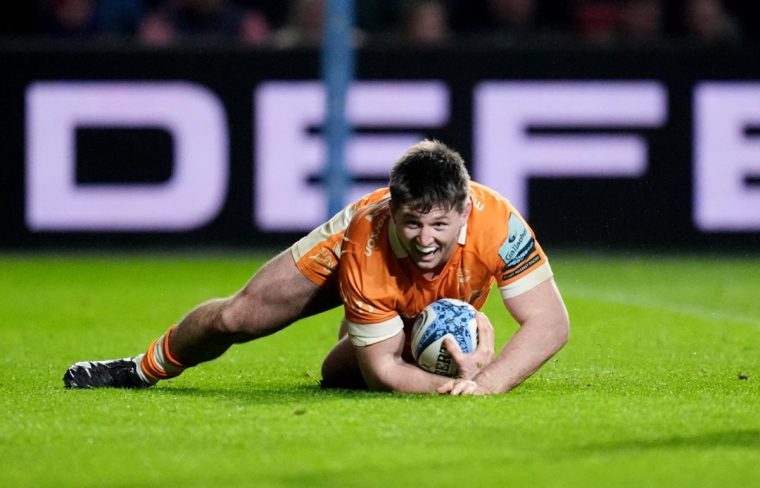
{"type": "Point", "coordinates": [278, 294]}
{"type": "Point", "coordinates": [297, 283]}
{"type": "Point", "coordinates": [340, 368]}
{"type": "Point", "coordinates": [275, 297]}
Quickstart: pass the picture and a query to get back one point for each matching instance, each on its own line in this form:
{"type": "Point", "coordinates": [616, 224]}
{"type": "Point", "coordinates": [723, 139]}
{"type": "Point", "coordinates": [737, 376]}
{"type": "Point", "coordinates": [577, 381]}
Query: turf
{"type": "Point", "coordinates": [659, 386]}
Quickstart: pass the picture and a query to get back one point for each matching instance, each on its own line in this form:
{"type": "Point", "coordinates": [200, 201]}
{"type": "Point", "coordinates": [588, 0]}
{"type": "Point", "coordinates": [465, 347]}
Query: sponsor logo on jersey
{"type": "Point", "coordinates": [326, 259]}
{"type": "Point", "coordinates": [522, 268]}
{"type": "Point", "coordinates": [377, 226]}
{"type": "Point", "coordinates": [479, 206]}
{"type": "Point", "coordinates": [519, 244]}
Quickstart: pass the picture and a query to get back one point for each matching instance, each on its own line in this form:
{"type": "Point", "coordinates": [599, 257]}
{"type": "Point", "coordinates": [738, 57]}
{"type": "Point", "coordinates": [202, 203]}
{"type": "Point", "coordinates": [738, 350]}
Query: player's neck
{"type": "Point", "coordinates": [431, 275]}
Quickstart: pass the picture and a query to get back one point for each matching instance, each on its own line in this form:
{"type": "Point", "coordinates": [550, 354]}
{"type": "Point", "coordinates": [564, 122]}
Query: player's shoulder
{"type": "Point", "coordinates": [369, 212]}
{"type": "Point", "coordinates": [487, 200]}
{"type": "Point", "coordinates": [372, 211]}
{"type": "Point", "coordinates": [377, 196]}
{"type": "Point", "coordinates": [490, 211]}
{"type": "Point", "coordinates": [492, 221]}
{"type": "Point", "coordinates": [368, 227]}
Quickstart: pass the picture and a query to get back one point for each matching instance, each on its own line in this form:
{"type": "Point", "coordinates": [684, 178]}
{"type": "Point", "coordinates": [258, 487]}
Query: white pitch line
{"type": "Point", "coordinates": [648, 303]}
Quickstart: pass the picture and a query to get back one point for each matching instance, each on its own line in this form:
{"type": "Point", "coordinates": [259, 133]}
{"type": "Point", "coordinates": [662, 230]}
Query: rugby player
{"type": "Point", "coordinates": [433, 233]}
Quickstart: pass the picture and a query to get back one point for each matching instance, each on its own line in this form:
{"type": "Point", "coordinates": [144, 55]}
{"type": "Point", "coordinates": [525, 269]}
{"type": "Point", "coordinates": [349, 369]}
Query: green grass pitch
{"type": "Point", "coordinates": [658, 386]}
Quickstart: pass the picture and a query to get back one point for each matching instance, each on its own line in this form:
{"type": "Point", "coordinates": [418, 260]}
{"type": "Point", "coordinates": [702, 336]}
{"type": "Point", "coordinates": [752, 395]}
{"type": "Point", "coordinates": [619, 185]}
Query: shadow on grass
{"type": "Point", "coordinates": [733, 438]}
{"type": "Point", "coordinates": [258, 394]}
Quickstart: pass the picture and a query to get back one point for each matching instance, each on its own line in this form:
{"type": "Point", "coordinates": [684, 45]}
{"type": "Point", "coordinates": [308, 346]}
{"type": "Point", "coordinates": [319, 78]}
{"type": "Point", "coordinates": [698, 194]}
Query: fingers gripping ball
{"type": "Point", "coordinates": [442, 318]}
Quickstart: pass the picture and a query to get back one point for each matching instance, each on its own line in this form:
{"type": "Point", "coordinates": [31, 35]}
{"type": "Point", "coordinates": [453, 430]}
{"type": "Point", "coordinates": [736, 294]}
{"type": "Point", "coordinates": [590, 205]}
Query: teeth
{"type": "Point", "coordinates": [425, 250]}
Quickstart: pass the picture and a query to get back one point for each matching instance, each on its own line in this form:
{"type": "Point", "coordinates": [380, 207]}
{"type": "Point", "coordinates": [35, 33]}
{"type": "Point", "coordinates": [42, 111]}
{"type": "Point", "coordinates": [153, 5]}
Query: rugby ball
{"type": "Point", "coordinates": [442, 318]}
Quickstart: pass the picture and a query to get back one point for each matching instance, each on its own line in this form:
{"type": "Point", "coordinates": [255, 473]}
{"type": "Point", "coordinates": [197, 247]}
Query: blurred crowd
{"type": "Point", "coordinates": [292, 23]}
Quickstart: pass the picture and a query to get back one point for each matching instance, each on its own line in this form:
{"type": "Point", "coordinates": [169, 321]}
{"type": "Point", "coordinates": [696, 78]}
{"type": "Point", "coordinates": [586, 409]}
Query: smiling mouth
{"type": "Point", "coordinates": [425, 250]}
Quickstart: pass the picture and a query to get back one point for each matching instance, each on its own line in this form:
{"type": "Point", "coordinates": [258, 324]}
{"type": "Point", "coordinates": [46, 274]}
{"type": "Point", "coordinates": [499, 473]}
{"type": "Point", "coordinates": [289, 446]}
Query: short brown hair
{"type": "Point", "coordinates": [430, 174]}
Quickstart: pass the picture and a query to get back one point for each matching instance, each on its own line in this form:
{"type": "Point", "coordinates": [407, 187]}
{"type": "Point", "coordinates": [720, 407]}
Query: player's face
{"type": "Point", "coordinates": [429, 238]}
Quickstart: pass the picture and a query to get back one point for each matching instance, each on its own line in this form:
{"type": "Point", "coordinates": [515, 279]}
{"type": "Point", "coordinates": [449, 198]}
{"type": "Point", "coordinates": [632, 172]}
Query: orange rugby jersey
{"type": "Point", "coordinates": [317, 253]}
{"type": "Point", "coordinates": [383, 290]}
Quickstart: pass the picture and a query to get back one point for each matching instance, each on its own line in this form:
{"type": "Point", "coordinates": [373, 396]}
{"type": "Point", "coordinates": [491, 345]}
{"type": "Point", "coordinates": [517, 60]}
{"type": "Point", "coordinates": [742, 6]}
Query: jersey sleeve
{"type": "Point", "coordinates": [363, 335]}
{"type": "Point", "coordinates": [524, 263]}
{"type": "Point", "coordinates": [317, 253]}
{"type": "Point", "coordinates": [507, 244]}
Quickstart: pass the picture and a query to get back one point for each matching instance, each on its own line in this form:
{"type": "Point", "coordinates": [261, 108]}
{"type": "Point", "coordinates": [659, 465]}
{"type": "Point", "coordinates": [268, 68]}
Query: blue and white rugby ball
{"type": "Point", "coordinates": [444, 317]}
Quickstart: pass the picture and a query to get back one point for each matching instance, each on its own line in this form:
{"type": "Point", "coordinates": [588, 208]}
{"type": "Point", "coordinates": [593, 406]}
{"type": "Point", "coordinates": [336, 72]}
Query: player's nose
{"type": "Point", "coordinates": [425, 236]}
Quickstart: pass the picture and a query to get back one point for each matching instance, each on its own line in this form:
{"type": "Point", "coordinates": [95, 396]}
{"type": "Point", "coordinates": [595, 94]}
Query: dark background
{"type": "Point", "coordinates": [652, 211]}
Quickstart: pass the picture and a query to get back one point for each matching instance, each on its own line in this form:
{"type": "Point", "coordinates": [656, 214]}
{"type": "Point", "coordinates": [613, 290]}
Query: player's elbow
{"type": "Point", "coordinates": [377, 381]}
{"type": "Point", "coordinates": [382, 375]}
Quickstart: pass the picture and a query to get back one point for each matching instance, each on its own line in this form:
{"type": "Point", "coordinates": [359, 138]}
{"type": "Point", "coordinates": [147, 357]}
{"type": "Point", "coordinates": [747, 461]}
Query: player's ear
{"type": "Point", "coordinates": [393, 209]}
{"type": "Point", "coordinates": [467, 210]}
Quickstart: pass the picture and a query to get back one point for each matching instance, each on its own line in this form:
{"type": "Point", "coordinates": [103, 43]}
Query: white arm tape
{"type": "Point", "coordinates": [530, 281]}
{"type": "Point", "coordinates": [362, 335]}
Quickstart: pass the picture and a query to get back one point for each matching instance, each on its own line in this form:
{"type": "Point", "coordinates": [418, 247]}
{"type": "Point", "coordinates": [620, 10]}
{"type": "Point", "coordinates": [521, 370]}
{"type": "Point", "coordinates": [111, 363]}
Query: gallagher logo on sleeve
{"type": "Point", "coordinates": [518, 246]}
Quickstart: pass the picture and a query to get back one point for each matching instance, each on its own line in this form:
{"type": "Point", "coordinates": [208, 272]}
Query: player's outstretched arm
{"type": "Point", "coordinates": [384, 369]}
{"type": "Point", "coordinates": [544, 329]}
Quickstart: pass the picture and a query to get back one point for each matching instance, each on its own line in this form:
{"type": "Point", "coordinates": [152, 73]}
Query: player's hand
{"type": "Point", "coordinates": [463, 387]}
{"type": "Point", "coordinates": [470, 364]}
